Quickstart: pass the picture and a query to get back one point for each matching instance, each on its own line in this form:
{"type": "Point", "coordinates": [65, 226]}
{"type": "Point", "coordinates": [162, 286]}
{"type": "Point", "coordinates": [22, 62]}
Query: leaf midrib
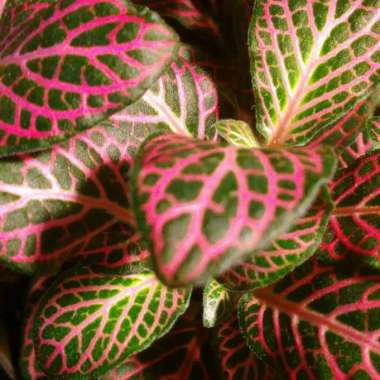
{"type": "Point", "coordinates": [280, 303]}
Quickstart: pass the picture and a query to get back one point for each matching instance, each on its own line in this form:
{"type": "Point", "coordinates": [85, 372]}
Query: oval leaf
{"type": "Point", "coordinates": [317, 323]}
{"type": "Point", "coordinates": [283, 255]}
{"type": "Point", "coordinates": [203, 206]}
{"type": "Point", "coordinates": [236, 361]}
{"type": "Point", "coordinates": [67, 65]}
{"type": "Point", "coordinates": [55, 202]}
{"type": "Point", "coordinates": [311, 63]}
{"type": "Point", "coordinates": [354, 227]}
{"type": "Point", "coordinates": [182, 354]}
{"type": "Point", "coordinates": [91, 321]}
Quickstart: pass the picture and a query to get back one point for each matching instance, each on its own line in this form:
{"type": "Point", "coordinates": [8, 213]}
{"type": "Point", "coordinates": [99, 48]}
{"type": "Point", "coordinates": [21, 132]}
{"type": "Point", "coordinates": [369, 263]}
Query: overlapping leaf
{"type": "Point", "coordinates": [283, 255]}
{"type": "Point", "coordinates": [184, 101]}
{"type": "Point", "coordinates": [217, 303]}
{"type": "Point", "coordinates": [67, 65]}
{"type": "Point", "coordinates": [236, 361]}
{"type": "Point", "coordinates": [90, 321]}
{"type": "Point", "coordinates": [54, 203]}
{"type": "Point", "coordinates": [318, 323]}
{"type": "Point", "coordinates": [311, 63]}
{"type": "Point", "coordinates": [203, 206]}
{"type": "Point", "coordinates": [354, 227]}
{"type": "Point", "coordinates": [183, 353]}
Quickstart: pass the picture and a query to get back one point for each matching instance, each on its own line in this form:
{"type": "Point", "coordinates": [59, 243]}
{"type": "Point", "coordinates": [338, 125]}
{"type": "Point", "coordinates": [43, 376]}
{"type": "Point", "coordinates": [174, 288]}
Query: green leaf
{"type": "Point", "coordinates": [320, 322]}
{"type": "Point", "coordinates": [217, 304]}
{"type": "Point", "coordinates": [237, 133]}
{"type": "Point", "coordinates": [90, 321]}
{"type": "Point", "coordinates": [312, 62]}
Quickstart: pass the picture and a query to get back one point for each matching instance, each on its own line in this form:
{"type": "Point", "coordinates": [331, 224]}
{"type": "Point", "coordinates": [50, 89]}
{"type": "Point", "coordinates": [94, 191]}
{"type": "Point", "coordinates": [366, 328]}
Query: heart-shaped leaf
{"type": "Point", "coordinates": [90, 321]}
{"type": "Point", "coordinates": [203, 206]}
{"type": "Point", "coordinates": [184, 100]}
{"type": "Point", "coordinates": [237, 133]}
{"type": "Point", "coordinates": [54, 203]}
{"type": "Point", "coordinates": [320, 322]}
{"type": "Point", "coordinates": [217, 302]}
{"type": "Point", "coordinates": [182, 354]}
{"type": "Point", "coordinates": [236, 361]}
{"type": "Point", "coordinates": [354, 226]}
{"type": "Point", "coordinates": [67, 65]}
{"type": "Point", "coordinates": [311, 63]}
{"type": "Point", "coordinates": [284, 254]}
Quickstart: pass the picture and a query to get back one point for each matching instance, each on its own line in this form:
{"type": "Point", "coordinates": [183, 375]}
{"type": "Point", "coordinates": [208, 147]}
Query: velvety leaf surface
{"type": "Point", "coordinates": [28, 362]}
{"type": "Point", "coordinates": [203, 206]}
{"type": "Point", "coordinates": [237, 133]}
{"type": "Point", "coordinates": [311, 62]}
{"type": "Point", "coordinates": [236, 361]}
{"type": "Point", "coordinates": [53, 203]}
{"type": "Point", "coordinates": [354, 227]}
{"type": "Point", "coordinates": [184, 100]}
{"type": "Point", "coordinates": [90, 320]}
{"type": "Point", "coordinates": [283, 255]}
{"type": "Point", "coordinates": [318, 323]}
{"type": "Point", "coordinates": [217, 303]}
{"type": "Point", "coordinates": [68, 65]}
{"type": "Point", "coordinates": [182, 354]}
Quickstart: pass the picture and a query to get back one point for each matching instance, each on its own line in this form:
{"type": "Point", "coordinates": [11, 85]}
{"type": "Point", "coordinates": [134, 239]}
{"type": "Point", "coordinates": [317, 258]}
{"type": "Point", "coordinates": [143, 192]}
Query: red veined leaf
{"type": "Point", "coordinates": [90, 321]}
{"type": "Point", "coordinates": [203, 206]}
{"type": "Point", "coordinates": [354, 226]}
{"type": "Point", "coordinates": [362, 145]}
{"type": "Point", "coordinates": [311, 63]}
{"type": "Point", "coordinates": [237, 362]}
{"type": "Point", "coordinates": [320, 322]}
{"type": "Point", "coordinates": [29, 365]}
{"type": "Point", "coordinates": [217, 304]}
{"type": "Point", "coordinates": [285, 253]}
{"type": "Point", "coordinates": [68, 65]}
{"type": "Point", "coordinates": [184, 100]}
{"type": "Point", "coordinates": [182, 354]}
{"type": "Point", "coordinates": [55, 202]}
{"type": "Point", "coordinates": [187, 14]}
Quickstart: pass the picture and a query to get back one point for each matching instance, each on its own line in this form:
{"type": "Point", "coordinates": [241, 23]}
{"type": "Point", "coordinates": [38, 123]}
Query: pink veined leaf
{"type": "Point", "coordinates": [203, 206]}
{"type": "Point", "coordinates": [182, 354]}
{"type": "Point", "coordinates": [236, 361]}
{"type": "Point", "coordinates": [54, 203]}
{"type": "Point", "coordinates": [375, 130]}
{"type": "Point", "coordinates": [354, 226]}
{"type": "Point", "coordinates": [320, 322]}
{"type": "Point", "coordinates": [184, 100]}
{"type": "Point", "coordinates": [187, 14]}
{"type": "Point", "coordinates": [28, 362]}
{"type": "Point", "coordinates": [91, 321]}
{"type": "Point", "coordinates": [311, 63]}
{"type": "Point", "coordinates": [68, 65]}
{"type": "Point", "coordinates": [284, 254]}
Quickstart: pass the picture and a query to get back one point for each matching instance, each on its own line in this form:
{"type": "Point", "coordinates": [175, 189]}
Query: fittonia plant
{"type": "Point", "coordinates": [166, 239]}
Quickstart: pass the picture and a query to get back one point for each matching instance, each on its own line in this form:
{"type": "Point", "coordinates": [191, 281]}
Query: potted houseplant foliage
{"type": "Point", "coordinates": [190, 189]}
